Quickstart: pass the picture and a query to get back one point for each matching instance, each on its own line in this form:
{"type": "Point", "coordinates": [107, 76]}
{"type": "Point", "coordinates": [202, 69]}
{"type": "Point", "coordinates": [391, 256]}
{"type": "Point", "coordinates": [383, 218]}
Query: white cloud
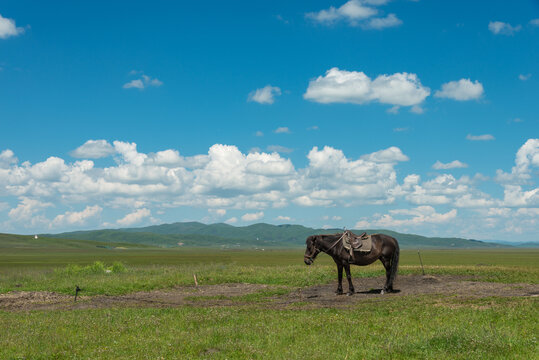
{"type": "Point", "coordinates": [26, 209]}
{"type": "Point", "coordinates": [527, 157]}
{"type": "Point", "coordinates": [93, 149]}
{"type": "Point", "coordinates": [143, 82]}
{"type": "Point", "coordinates": [226, 179]}
{"type": "Point", "coordinates": [524, 77]}
{"type": "Point", "coordinates": [283, 218]}
{"type": "Point", "coordinates": [534, 22]}
{"type": "Point", "coordinates": [259, 133]}
{"type": "Point", "coordinates": [455, 164]}
{"type": "Point", "coordinates": [232, 220]}
{"type": "Point", "coordinates": [501, 28]}
{"type": "Point", "coordinates": [334, 218]}
{"type": "Point", "coordinates": [8, 28]}
{"type": "Point", "coordinates": [515, 196]}
{"type": "Point", "coordinates": [461, 90]}
{"type": "Point", "coordinates": [76, 218]}
{"type": "Point", "coordinates": [279, 149]}
{"type": "Point", "coordinates": [253, 216]}
{"type": "Point", "coordinates": [351, 11]}
{"type": "Point", "coordinates": [341, 86]}
{"type": "Point", "coordinates": [218, 212]}
{"type": "Point", "coordinates": [390, 20]}
{"type": "Point", "coordinates": [401, 129]}
{"type": "Point", "coordinates": [134, 217]}
{"type": "Point", "coordinates": [7, 158]}
{"type": "Point", "coordinates": [390, 155]}
{"type": "Point", "coordinates": [265, 95]}
{"type": "Point", "coordinates": [408, 217]}
{"type": "Point", "coordinates": [282, 130]}
{"type": "Point", "coordinates": [484, 137]}
{"type": "Point", "coordinates": [137, 83]}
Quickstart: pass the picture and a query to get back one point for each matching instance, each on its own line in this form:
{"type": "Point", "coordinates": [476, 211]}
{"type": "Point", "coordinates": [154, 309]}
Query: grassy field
{"type": "Point", "coordinates": [422, 326]}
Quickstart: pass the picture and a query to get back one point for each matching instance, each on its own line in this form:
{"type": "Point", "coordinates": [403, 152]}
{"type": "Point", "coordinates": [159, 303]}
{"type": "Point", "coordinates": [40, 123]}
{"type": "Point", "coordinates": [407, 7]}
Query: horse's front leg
{"type": "Point", "coordinates": [349, 278]}
{"type": "Point", "coordinates": [339, 277]}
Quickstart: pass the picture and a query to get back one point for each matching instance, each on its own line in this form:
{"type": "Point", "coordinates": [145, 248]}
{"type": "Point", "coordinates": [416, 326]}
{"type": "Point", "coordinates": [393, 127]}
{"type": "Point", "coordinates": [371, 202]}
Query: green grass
{"type": "Point", "coordinates": [403, 328]}
{"type": "Point", "coordinates": [251, 327]}
{"type": "Point", "coordinates": [148, 269]}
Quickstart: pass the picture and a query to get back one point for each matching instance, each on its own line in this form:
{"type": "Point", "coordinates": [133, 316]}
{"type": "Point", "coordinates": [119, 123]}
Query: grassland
{"type": "Point", "coordinates": [419, 326]}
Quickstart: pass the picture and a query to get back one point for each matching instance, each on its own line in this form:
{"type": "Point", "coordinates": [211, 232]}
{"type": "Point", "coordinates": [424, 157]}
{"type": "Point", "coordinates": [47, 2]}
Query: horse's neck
{"type": "Point", "coordinates": [328, 242]}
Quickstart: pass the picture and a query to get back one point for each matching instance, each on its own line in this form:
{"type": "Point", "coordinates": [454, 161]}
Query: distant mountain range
{"type": "Point", "coordinates": [252, 236]}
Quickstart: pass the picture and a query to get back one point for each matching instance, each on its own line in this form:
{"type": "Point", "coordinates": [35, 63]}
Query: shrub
{"type": "Point", "coordinates": [98, 267]}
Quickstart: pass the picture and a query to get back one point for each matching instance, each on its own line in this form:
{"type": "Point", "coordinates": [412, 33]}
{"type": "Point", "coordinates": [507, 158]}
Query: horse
{"type": "Point", "coordinates": [384, 248]}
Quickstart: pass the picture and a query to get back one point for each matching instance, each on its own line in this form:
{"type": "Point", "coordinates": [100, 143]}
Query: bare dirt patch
{"type": "Point", "coordinates": [370, 288]}
{"type": "Point", "coordinates": [229, 294]}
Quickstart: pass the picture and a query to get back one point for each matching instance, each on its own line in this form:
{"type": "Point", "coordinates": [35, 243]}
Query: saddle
{"type": "Point", "coordinates": [354, 243]}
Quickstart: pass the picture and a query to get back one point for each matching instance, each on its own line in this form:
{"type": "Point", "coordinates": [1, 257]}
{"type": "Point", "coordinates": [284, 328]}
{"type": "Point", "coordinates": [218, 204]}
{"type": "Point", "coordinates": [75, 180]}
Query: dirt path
{"type": "Point", "coordinates": [228, 294]}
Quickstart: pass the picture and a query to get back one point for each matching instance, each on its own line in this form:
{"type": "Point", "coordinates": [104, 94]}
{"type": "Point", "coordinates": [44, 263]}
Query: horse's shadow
{"type": "Point", "coordinates": [375, 291]}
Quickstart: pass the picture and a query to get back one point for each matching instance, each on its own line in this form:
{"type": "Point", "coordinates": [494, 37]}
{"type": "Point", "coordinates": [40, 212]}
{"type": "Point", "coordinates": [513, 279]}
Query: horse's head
{"type": "Point", "coordinates": [312, 249]}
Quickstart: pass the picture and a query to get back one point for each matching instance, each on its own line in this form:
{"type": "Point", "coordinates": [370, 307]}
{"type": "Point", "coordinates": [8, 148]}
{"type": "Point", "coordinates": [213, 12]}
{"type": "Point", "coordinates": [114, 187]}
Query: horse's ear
{"type": "Point", "coordinates": [311, 239]}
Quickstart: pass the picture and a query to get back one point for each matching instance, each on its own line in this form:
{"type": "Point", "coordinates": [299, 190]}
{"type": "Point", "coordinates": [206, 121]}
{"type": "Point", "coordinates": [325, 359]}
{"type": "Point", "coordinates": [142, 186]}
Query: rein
{"type": "Point", "coordinates": [317, 250]}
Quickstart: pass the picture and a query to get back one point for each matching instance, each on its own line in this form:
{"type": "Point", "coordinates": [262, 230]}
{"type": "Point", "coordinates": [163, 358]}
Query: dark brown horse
{"type": "Point", "coordinates": [384, 248]}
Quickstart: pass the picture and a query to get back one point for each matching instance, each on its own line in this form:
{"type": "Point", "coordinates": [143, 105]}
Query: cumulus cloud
{"type": "Point", "coordinates": [282, 130]}
{"type": "Point", "coordinates": [253, 216]}
{"type": "Point", "coordinates": [356, 13]}
{"type": "Point", "coordinates": [8, 28]}
{"type": "Point", "coordinates": [534, 22]}
{"type": "Point", "coordinates": [279, 149]}
{"type": "Point", "coordinates": [218, 212]}
{"type": "Point", "coordinates": [134, 217]}
{"type": "Point", "coordinates": [455, 164]}
{"type": "Point", "coordinates": [76, 217]}
{"type": "Point", "coordinates": [27, 209]}
{"type": "Point", "coordinates": [283, 218]}
{"type": "Point", "coordinates": [390, 20]}
{"type": "Point", "coordinates": [526, 159]}
{"type": "Point", "coordinates": [226, 179]}
{"type": "Point", "coordinates": [143, 82]}
{"type": "Point", "coordinates": [408, 217]}
{"type": "Point", "coordinates": [390, 155]}
{"type": "Point", "coordinates": [484, 137]}
{"type": "Point", "coordinates": [524, 77]}
{"type": "Point", "coordinates": [341, 86]}
{"type": "Point", "coordinates": [93, 149]}
{"type": "Point", "coordinates": [461, 90]}
{"type": "Point", "coordinates": [351, 11]}
{"type": "Point", "coordinates": [265, 95]}
{"type": "Point", "coordinates": [501, 28]}
{"type": "Point", "coordinates": [331, 178]}
{"type": "Point", "coordinates": [7, 157]}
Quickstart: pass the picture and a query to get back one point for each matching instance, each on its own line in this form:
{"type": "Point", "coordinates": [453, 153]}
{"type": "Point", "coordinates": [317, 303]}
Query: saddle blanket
{"type": "Point", "coordinates": [357, 243]}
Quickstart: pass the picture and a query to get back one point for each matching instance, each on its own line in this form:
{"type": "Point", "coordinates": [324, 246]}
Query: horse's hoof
{"type": "Point", "coordinates": [349, 293]}
{"type": "Point", "coordinates": [382, 292]}
{"type": "Point", "coordinates": [338, 292]}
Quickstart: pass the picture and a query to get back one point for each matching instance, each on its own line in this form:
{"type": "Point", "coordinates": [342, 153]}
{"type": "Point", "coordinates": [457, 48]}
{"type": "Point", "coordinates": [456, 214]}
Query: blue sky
{"type": "Point", "coordinates": [416, 116]}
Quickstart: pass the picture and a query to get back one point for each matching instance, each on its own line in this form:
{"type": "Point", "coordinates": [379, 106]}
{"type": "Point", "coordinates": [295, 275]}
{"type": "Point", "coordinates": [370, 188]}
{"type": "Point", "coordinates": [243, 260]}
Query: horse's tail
{"type": "Point", "coordinates": [394, 263]}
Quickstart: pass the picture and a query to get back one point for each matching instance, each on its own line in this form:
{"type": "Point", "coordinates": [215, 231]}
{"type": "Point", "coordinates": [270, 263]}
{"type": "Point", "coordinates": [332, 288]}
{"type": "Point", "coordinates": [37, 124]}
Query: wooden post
{"type": "Point", "coordinates": [195, 277]}
{"type": "Point", "coordinates": [421, 261]}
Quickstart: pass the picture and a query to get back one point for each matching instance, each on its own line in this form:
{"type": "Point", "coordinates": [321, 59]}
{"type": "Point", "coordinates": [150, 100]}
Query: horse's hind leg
{"type": "Point", "coordinates": [349, 278]}
{"type": "Point", "coordinates": [387, 265]}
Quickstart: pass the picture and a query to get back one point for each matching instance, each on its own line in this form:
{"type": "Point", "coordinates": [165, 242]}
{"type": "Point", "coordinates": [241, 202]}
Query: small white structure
{"type": "Point", "coordinates": [35, 237]}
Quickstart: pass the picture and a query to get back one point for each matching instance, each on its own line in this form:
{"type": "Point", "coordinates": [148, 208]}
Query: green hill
{"type": "Point", "coordinates": [10, 241]}
{"type": "Point", "coordinates": [256, 235]}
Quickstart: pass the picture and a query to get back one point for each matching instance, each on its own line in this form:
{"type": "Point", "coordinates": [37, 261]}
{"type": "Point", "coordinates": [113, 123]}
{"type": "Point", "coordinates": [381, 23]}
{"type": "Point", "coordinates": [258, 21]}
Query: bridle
{"type": "Point", "coordinates": [317, 250]}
